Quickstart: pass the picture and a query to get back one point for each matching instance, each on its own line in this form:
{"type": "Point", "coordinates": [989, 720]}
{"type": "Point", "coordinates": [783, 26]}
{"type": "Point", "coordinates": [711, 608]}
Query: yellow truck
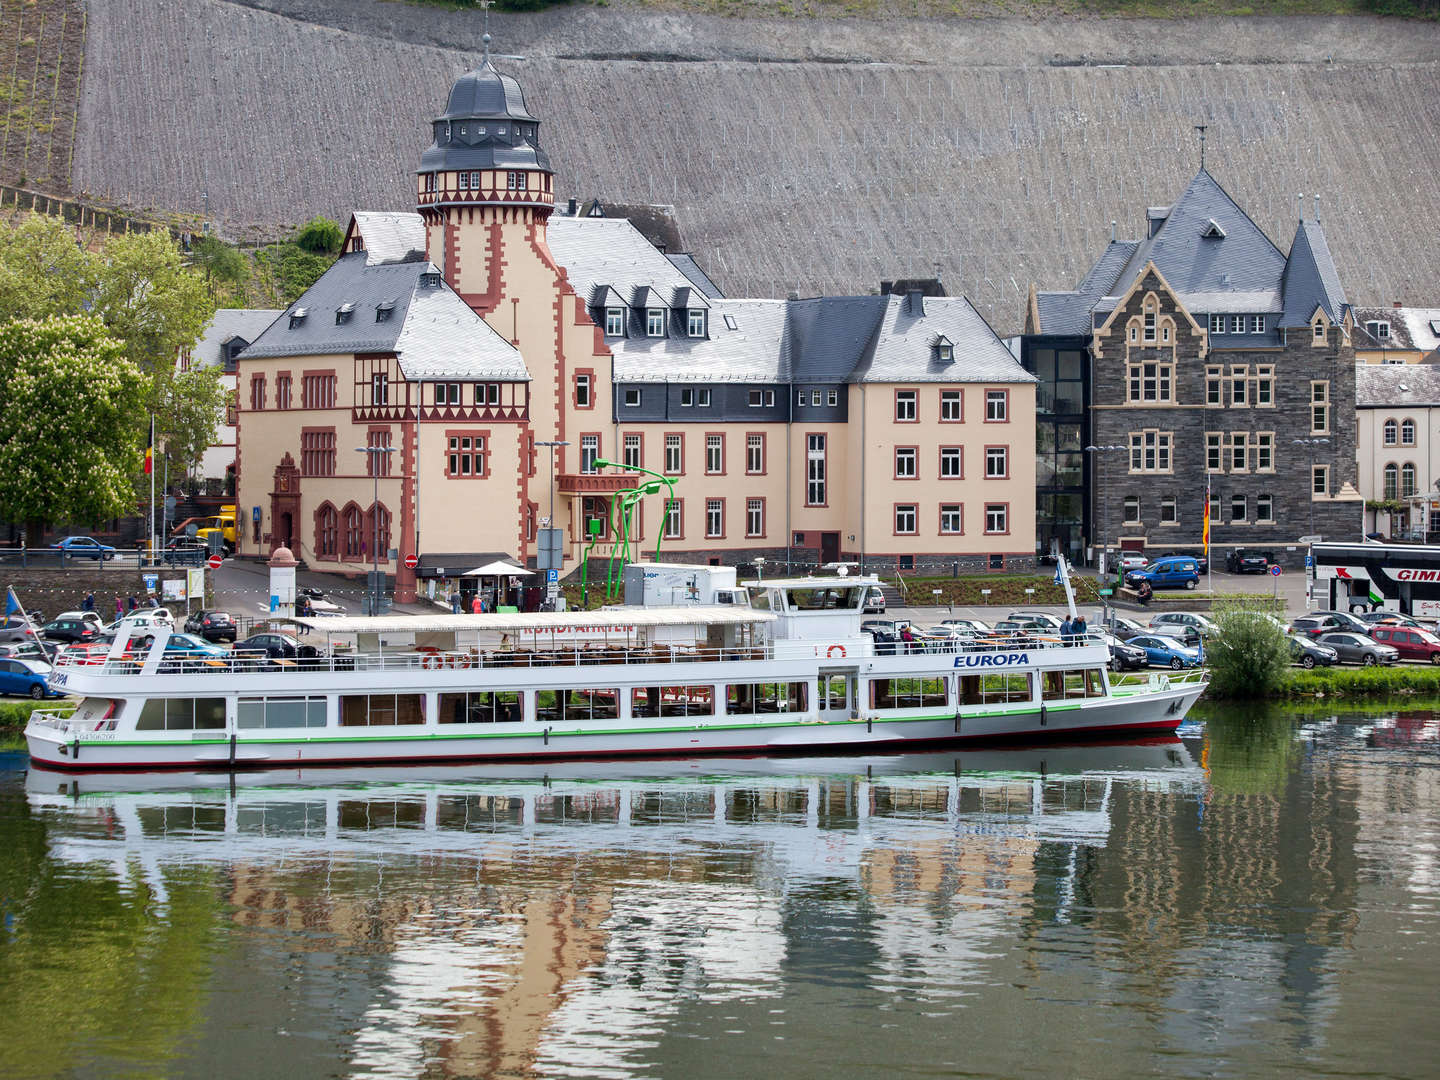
{"type": "Point", "coordinates": [222, 524]}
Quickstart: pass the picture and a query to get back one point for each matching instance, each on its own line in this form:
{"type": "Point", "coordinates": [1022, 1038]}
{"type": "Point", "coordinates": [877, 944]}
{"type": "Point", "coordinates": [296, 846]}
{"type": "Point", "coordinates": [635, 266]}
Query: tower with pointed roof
{"type": "Point", "coordinates": [1199, 353]}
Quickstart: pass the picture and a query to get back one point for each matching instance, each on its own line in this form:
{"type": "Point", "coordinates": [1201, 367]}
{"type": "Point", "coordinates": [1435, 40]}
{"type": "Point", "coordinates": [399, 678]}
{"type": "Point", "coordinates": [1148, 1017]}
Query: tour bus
{"type": "Point", "coordinates": [1377, 577]}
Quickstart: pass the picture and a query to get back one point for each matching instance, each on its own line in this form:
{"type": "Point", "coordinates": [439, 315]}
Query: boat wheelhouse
{"type": "Point", "coordinates": [790, 671]}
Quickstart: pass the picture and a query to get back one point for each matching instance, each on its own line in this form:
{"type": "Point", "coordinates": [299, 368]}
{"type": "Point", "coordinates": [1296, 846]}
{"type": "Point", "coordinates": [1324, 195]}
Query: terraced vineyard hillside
{"type": "Point", "coordinates": [799, 155]}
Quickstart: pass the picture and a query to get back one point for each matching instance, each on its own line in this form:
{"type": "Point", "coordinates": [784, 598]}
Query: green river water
{"type": "Point", "coordinates": [1257, 898]}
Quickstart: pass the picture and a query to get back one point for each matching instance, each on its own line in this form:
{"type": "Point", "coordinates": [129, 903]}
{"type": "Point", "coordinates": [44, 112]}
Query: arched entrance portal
{"type": "Point", "coordinates": [285, 506]}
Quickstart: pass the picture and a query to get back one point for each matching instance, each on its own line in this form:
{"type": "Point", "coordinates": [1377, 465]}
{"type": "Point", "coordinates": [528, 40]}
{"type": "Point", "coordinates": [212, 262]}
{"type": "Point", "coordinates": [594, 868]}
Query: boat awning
{"type": "Point", "coordinates": [497, 569]}
{"type": "Point", "coordinates": [617, 620]}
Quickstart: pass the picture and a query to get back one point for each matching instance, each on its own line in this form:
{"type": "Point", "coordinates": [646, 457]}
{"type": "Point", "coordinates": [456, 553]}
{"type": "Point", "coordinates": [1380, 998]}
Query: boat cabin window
{"type": "Point", "coordinates": [745, 698]}
{"type": "Point", "coordinates": [760, 599]}
{"type": "Point", "coordinates": [1059, 685]}
{"type": "Point", "coordinates": [997, 689]}
{"type": "Point", "coordinates": [833, 687]}
{"type": "Point", "coordinates": [182, 714]}
{"type": "Point", "coordinates": [557, 706]}
{"type": "Point", "coordinates": [907, 693]}
{"type": "Point", "coordinates": [290, 712]}
{"type": "Point", "coordinates": [831, 598]}
{"type": "Point", "coordinates": [381, 710]}
{"type": "Point", "coordinates": [672, 701]}
{"type": "Point", "coordinates": [481, 707]}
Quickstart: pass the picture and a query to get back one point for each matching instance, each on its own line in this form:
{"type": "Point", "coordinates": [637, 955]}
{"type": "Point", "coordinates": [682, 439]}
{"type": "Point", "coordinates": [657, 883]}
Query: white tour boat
{"type": "Point", "coordinates": [790, 671]}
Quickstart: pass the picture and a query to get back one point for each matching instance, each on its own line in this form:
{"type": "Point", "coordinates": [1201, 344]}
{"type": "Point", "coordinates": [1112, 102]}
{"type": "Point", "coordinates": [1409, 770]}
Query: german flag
{"type": "Point", "coordinates": [150, 449]}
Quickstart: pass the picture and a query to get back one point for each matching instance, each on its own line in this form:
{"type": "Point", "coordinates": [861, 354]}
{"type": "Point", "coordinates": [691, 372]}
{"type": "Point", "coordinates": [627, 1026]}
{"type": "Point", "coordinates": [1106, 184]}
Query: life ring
{"type": "Point", "coordinates": [834, 651]}
{"type": "Point", "coordinates": [462, 660]}
{"type": "Point", "coordinates": [432, 662]}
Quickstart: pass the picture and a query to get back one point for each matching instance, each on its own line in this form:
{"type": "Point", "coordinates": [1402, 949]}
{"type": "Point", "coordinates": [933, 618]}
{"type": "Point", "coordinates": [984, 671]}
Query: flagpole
{"type": "Point", "coordinates": [1205, 527]}
{"type": "Point", "coordinates": [150, 468]}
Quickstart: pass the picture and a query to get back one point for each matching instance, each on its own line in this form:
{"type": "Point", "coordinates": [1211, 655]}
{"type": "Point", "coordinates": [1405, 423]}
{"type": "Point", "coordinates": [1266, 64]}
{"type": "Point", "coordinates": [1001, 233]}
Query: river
{"type": "Point", "coordinates": [1257, 898]}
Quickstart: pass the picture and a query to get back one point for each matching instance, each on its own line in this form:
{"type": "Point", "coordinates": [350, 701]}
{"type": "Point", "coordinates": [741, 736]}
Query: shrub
{"type": "Point", "coordinates": [1249, 657]}
{"type": "Point", "coordinates": [320, 236]}
{"type": "Point", "coordinates": [14, 715]}
{"type": "Point", "coordinates": [1375, 681]}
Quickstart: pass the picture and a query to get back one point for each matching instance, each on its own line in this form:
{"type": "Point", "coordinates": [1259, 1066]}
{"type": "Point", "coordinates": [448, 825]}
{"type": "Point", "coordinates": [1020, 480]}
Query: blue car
{"type": "Point", "coordinates": [29, 678]}
{"type": "Point", "coordinates": [83, 547]}
{"type": "Point", "coordinates": [1171, 572]}
{"type": "Point", "coordinates": [1163, 651]}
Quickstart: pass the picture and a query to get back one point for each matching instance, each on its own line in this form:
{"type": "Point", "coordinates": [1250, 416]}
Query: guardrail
{"type": "Point", "coordinates": [111, 558]}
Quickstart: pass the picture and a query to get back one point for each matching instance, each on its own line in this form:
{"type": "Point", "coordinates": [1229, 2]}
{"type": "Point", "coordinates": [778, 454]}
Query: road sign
{"type": "Point", "coordinates": [1107, 592]}
{"type": "Point", "coordinates": [1275, 570]}
{"type": "Point", "coordinates": [1309, 562]}
{"type": "Point", "coordinates": [214, 562]}
{"type": "Point", "coordinates": [552, 576]}
{"type": "Point", "coordinates": [412, 561]}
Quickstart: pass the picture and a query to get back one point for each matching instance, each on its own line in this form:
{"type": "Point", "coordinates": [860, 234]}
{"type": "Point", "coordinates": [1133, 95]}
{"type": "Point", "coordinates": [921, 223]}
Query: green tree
{"type": "Point", "coordinates": [43, 271]}
{"type": "Point", "coordinates": [149, 300]}
{"type": "Point", "coordinates": [284, 272]}
{"type": "Point", "coordinates": [225, 267]}
{"type": "Point", "coordinates": [70, 404]}
{"type": "Point", "coordinates": [1248, 658]}
{"type": "Point", "coordinates": [320, 236]}
{"type": "Point", "coordinates": [191, 405]}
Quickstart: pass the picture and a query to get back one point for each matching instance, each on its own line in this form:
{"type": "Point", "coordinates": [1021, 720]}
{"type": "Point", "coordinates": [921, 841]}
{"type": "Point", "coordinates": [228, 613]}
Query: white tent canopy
{"type": "Point", "coordinates": [498, 569]}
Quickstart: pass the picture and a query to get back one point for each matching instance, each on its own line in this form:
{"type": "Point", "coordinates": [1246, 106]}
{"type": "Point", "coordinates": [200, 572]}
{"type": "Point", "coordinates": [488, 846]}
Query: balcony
{"type": "Point", "coordinates": [596, 483]}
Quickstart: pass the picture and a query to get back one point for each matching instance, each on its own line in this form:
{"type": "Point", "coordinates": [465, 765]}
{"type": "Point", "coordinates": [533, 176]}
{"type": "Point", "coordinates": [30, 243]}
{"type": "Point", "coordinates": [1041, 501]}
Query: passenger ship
{"type": "Point", "coordinates": [789, 671]}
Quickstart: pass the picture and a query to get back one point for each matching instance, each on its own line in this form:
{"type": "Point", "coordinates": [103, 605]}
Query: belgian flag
{"type": "Point", "coordinates": [150, 449]}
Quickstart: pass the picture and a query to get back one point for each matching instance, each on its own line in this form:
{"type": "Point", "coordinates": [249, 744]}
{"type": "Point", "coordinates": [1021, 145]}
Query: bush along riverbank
{"type": "Point", "coordinates": [1402, 679]}
{"type": "Point", "coordinates": [14, 715]}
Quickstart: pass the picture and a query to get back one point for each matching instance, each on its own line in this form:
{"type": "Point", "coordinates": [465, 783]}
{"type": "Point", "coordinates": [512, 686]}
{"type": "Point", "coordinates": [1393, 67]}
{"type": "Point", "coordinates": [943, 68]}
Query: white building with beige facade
{"type": "Point", "coordinates": [415, 390]}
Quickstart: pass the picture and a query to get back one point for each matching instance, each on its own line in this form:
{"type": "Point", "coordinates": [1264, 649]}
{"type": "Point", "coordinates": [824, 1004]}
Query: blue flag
{"type": "Point", "coordinates": [12, 603]}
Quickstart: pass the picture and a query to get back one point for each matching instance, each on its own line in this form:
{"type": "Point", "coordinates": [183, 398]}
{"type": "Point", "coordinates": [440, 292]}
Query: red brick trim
{"type": "Point", "coordinates": [472, 433]}
{"type": "Point", "coordinates": [575, 378]}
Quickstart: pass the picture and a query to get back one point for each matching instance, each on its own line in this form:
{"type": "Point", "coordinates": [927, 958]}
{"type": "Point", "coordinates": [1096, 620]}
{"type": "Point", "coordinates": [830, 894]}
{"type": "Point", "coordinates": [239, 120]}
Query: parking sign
{"type": "Point", "coordinates": [552, 576]}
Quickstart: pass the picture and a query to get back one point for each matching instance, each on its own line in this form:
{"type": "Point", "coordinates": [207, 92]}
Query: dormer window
{"type": "Point", "coordinates": [297, 317]}
{"type": "Point", "coordinates": [384, 311]}
{"type": "Point", "coordinates": [944, 349]}
{"type": "Point", "coordinates": [462, 129]}
{"type": "Point", "coordinates": [654, 322]}
{"type": "Point", "coordinates": [430, 280]}
{"type": "Point", "coordinates": [1257, 324]}
{"type": "Point", "coordinates": [480, 130]}
{"type": "Point", "coordinates": [696, 321]}
{"type": "Point", "coordinates": [500, 130]}
{"type": "Point", "coordinates": [614, 322]}
{"type": "Point", "coordinates": [1319, 331]}
{"type": "Point", "coordinates": [343, 312]}
{"type": "Point", "coordinates": [1380, 331]}
{"type": "Point", "coordinates": [1213, 231]}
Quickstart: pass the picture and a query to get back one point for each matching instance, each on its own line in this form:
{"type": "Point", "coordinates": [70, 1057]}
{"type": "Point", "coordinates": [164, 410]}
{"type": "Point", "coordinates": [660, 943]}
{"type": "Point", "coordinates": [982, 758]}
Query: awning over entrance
{"type": "Point", "coordinates": [498, 569]}
{"type": "Point", "coordinates": [455, 564]}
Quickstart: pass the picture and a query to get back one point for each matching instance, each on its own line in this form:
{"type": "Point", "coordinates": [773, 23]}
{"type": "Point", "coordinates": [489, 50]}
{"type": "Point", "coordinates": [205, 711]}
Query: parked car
{"type": "Point", "coordinates": [91, 617]}
{"type": "Point", "coordinates": [874, 601]}
{"type": "Point", "coordinates": [942, 638]}
{"type": "Point", "coordinates": [69, 630]}
{"type": "Point", "coordinates": [25, 650]}
{"type": "Point", "coordinates": [17, 627]}
{"type": "Point", "coordinates": [1124, 628]}
{"type": "Point", "coordinates": [1392, 618]}
{"type": "Point", "coordinates": [1202, 562]}
{"type": "Point", "coordinates": [1411, 642]}
{"type": "Point", "coordinates": [1354, 648]}
{"type": "Point", "coordinates": [83, 547]}
{"type": "Point", "coordinates": [145, 619]}
{"type": "Point", "coordinates": [975, 627]}
{"type": "Point", "coordinates": [1039, 618]}
{"type": "Point", "coordinates": [1123, 655]}
{"type": "Point", "coordinates": [1308, 653]}
{"type": "Point", "coordinates": [212, 625]}
{"type": "Point", "coordinates": [273, 646]}
{"type": "Point", "coordinates": [181, 647]}
{"type": "Point", "coordinates": [1175, 572]}
{"type": "Point", "coordinates": [1161, 651]}
{"type": "Point", "coordinates": [1323, 622]}
{"type": "Point", "coordinates": [30, 678]}
{"type": "Point", "coordinates": [1241, 561]}
{"type": "Point", "coordinates": [1185, 625]}
{"type": "Point", "coordinates": [1133, 560]}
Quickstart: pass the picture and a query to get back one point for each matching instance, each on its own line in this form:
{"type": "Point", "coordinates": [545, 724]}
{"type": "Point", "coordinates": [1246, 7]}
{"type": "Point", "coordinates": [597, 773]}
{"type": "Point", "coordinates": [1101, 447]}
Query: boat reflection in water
{"type": "Point", "coordinates": [560, 913]}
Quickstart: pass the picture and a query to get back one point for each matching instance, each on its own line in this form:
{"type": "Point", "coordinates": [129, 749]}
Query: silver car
{"type": "Point", "coordinates": [1355, 648]}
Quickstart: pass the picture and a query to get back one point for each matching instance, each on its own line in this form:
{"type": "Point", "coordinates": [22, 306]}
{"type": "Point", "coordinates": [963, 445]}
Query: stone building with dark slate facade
{"type": "Point", "coordinates": [1201, 353]}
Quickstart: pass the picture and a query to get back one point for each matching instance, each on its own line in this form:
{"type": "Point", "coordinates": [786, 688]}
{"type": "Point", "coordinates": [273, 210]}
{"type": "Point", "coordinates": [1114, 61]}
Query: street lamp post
{"type": "Point", "coordinates": [549, 544]}
{"type": "Point", "coordinates": [1312, 443]}
{"type": "Point", "coordinates": [373, 463]}
{"type": "Point", "coordinates": [1099, 451]}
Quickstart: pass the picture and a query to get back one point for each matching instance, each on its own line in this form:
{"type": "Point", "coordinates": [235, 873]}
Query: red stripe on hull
{"type": "Point", "coordinates": [1166, 725]}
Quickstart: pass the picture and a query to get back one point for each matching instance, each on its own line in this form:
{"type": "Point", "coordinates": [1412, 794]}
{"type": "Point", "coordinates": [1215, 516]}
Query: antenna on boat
{"type": "Point", "coordinates": [1062, 577]}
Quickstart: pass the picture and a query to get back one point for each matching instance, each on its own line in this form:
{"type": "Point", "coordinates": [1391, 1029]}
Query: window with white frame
{"type": "Point", "coordinates": [769, 399]}
{"type": "Point", "coordinates": [1150, 451]}
{"type": "Point", "coordinates": [632, 398]}
{"type": "Point", "coordinates": [466, 455]}
{"type": "Point", "coordinates": [754, 517]}
{"type": "Point", "coordinates": [1407, 480]}
{"type": "Point", "coordinates": [997, 518]}
{"type": "Point", "coordinates": [515, 181]}
{"type": "Point", "coordinates": [1320, 480]}
{"type": "Point", "coordinates": [584, 385]}
{"type": "Point", "coordinates": [702, 399]}
{"type": "Point", "coordinates": [1237, 508]}
{"type": "Point", "coordinates": [1215, 386]}
{"type": "Point", "coordinates": [952, 463]}
{"type": "Point", "coordinates": [487, 393]}
{"type": "Point", "coordinates": [714, 518]}
{"type": "Point", "coordinates": [997, 462]}
{"type": "Point", "coordinates": [832, 398]}
{"type": "Point", "coordinates": [654, 322]}
{"type": "Point", "coordinates": [815, 470]}
{"type": "Point", "coordinates": [815, 398]}
{"type": "Point", "coordinates": [674, 454]}
{"type": "Point", "coordinates": [905, 465]}
{"type": "Point", "coordinates": [1265, 509]}
{"type": "Point", "coordinates": [1257, 324]}
{"type": "Point", "coordinates": [1237, 324]}
{"type": "Point", "coordinates": [801, 398]}
{"type": "Point", "coordinates": [1149, 320]}
{"type": "Point", "coordinates": [997, 406]}
{"type": "Point", "coordinates": [1320, 408]}
{"type": "Point", "coordinates": [714, 454]}
{"type": "Point", "coordinates": [1217, 324]}
{"type": "Point", "coordinates": [695, 322]}
{"type": "Point", "coordinates": [687, 398]}
{"type": "Point", "coordinates": [630, 450]}
{"type": "Point", "coordinates": [755, 453]}
{"type": "Point", "coordinates": [951, 519]}
{"type": "Point", "coordinates": [1132, 509]}
{"type": "Point", "coordinates": [672, 519]}
{"type": "Point", "coordinates": [1392, 432]}
{"type": "Point", "coordinates": [589, 451]}
{"type": "Point", "coordinates": [1239, 380]}
{"type": "Point", "coordinates": [1167, 510]}
{"type": "Point", "coordinates": [1392, 481]}
{"type": "Point", "coordinates": [1151, 382]}
{"type": "Point", "coordinates": [905, 518]}
{"type": "Point", "coordinates": [951, 406]}
{"type": "Point", "coordinates": [1265, 385]}
{"type": "Point", "coordinates": [447, 393]}
{"type": "Point", "coordinates": [1318, 333]}
{"type": "Point", "coordinates": [379, 388]}
{"type": "Point", "coordinates": [614, 322]}
{"type": "Point", "coordinates": [904, 406]}
{"type": "Point", "coordinates": [1239, 451]}
{"type": "Point", "coordinates": [1407, 433]}
{"type": "Point", "coordinates": [756, 398]}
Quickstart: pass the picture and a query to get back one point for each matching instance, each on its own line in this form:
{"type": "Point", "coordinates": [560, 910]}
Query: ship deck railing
{"type": "Point", "coordinates": [1137, 683]}
{"type": "Point", "coordinates": [315, 660]}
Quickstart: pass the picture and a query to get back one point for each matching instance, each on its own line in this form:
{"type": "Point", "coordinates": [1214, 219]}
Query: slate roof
{"type": "Point", "coordinates": [500, 130]}
{"type": "Point", "coordinates": [828, 337]}
{"type": "Point", "coordinates": [611, 251]}
{"type": "Point", "coordinates": [389, 237]}
{"type": "Point", "coordinates": [904, 349]}
{"type": "Point", "coordinates": [1310, 278]}
{"type": "Point", "coordinates": [1069, 312]}
{"type": "Point", "coordinates": [751, 353]}
{"type": "Point", "coordinates": [1396, 385]}
{"type": "Point", "coordinates": [246, 323]}
{"type": "Point", "coordinates": [1410, 328]}
{"type": "Point", "coordinates": [687, 265]}
{"type": "Point", "coordinates": [434, 333]}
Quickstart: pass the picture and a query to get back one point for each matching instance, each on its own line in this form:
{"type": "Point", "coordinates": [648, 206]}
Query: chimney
{"type": "Point", "coordinates": [885, 287]}
{"type": "Point", "coordinates": [1112, 232]}
{"type": "Point", "coordinates": [572, 208]}
{"type": "Point", "coordinates": [1397, 305]}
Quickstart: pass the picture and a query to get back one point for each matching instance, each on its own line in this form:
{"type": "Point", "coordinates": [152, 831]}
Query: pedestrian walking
{"type": "Point", "coordinates": [131, 604]}
{"type": "Point", "coordinates": [477, 605]}
{"type": "Point", "coordinates": [119, 607]}
{"type": "Point", "coordinates": [455, 602]}
{"type": "Point", "coordinates": [1066, 630]}
{"type": "Point", "coordinates": [88, 604]}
